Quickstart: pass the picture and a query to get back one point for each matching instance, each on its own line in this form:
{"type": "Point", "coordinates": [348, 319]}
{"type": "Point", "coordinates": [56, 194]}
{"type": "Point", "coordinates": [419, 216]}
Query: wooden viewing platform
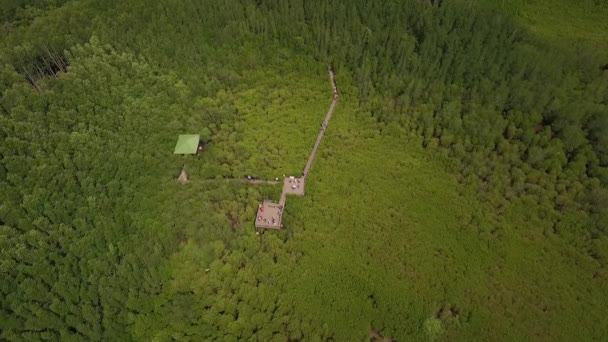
{"type": "Point", "coordinates": [269, 216]}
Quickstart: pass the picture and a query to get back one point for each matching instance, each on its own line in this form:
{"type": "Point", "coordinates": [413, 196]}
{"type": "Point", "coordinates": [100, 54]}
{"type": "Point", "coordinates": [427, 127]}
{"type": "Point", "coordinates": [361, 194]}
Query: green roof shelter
{"type": "Point", "coordinates": [187, 144]}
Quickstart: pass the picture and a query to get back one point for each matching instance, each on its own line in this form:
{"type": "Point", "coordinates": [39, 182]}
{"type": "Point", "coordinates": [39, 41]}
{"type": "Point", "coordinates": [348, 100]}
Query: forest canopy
{"type": "Point", "coordinates": [461, 191]}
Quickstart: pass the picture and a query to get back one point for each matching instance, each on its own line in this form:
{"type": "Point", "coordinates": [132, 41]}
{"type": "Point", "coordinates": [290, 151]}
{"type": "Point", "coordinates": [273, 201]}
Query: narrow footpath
{"type": "Point", "coordinates": [244, 181]}
{"type": "Point", "coordinates": [330, 112]}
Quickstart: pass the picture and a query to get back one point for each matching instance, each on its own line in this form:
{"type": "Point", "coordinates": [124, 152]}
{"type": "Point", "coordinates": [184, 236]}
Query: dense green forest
{"type": "Point", "coordinates": [461, 191]}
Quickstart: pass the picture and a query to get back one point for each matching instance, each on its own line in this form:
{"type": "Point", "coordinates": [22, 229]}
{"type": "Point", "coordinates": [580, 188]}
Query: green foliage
{"type": "Point", "coordinates": [432, 327]}
{"type": "Point", "coordinates": [466, 163]}
{"type": "Point", "coordinates": [571, 22]}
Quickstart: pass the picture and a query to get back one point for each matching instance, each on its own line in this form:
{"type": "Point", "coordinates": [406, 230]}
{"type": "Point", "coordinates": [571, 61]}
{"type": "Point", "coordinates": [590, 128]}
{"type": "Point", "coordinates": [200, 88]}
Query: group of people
{"type": "Point", "coordinates": [272, 221]}
{"type": "Point", "coordinates": [296, 182]}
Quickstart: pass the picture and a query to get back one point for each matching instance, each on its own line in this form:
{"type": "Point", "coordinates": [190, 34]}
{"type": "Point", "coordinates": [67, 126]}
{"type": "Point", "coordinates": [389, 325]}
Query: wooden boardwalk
{"type": "Point", "coordinates": [330, 112]}
{"type": "Point", "coordinates": [243, 180]}
{"type": "Point", "coordinates": [291, 184]}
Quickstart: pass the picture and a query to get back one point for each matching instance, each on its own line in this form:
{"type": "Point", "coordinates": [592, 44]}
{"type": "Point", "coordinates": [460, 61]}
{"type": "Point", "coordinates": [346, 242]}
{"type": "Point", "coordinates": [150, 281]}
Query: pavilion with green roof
{"type": "Point", "coordinates": [187, 144]}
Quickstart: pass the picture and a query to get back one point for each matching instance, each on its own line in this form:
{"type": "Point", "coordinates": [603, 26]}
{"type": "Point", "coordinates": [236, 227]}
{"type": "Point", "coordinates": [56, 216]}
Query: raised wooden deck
{"type": "Point", "coordinates": [269, 216]}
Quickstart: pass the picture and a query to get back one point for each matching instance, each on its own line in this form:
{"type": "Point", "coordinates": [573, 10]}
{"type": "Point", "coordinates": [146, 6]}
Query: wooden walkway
{"type": "Point", "coordinates": [293, 185]}
{"type": "Point", "coordinates": [244, 181]}
{"type": "Point", "coordinates": [330, 112]}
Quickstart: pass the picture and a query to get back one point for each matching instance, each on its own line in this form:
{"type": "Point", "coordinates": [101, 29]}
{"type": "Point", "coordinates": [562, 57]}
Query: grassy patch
{"type": "Point", "coordinates": [389, 239]}
{"type": "Point", "coordinates": [384, 240]}
{"type": "Point", "coordinates": [582, 22]}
